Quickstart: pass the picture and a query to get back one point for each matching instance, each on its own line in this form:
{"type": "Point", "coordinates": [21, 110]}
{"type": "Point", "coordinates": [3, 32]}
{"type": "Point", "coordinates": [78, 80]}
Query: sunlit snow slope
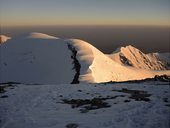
{"type": "Point", "coordinates": [102, 68]}
{"type": "Point", "coordinates": [43, 59]}
{"type": "Point", "coordinates": [4, 38]}
{"type": "Point", "coordinates": [132, 56]}
{"type": "Point", "coordinates": [164, 57]}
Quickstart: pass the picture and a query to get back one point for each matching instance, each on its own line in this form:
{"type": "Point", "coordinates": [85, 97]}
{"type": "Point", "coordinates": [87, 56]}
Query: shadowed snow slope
{"type": "Point", "coordinates": [36, 61]}
{"type": "Point", "coordinates": [50, 61]}
{"type": "Point", "coordinates": [4, 38]}
{"type": "Point", "coordinates": [132, 56]}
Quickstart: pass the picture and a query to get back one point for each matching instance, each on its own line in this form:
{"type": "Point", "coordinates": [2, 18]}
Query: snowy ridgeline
{"type": "Point", "coordinates": [135, 105]}
{"type": "Point", "coordinates": [44, 59]}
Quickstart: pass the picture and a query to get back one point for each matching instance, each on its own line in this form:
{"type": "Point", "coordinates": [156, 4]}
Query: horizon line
{"type": "Point", "coordinates": [81, 25]}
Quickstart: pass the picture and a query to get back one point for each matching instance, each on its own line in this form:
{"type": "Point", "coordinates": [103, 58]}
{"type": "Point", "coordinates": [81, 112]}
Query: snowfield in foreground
{"type": "Point", "coordinates": [120, 105]}
{"type": "Point", "coordinates": [47, 65]}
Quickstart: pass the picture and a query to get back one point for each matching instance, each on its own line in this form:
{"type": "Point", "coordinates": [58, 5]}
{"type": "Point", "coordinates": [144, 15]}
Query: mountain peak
{"type": "Point", "coordinates": [4, 38]}
{"type": "Point", "coordinates": [131, 56]}
{"type": "Point", "coordinates": [129, 48]}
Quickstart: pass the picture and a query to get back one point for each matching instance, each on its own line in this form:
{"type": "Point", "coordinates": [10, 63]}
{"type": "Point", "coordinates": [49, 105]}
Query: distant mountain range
{"type": "Point", "coordinates": [44, 59]}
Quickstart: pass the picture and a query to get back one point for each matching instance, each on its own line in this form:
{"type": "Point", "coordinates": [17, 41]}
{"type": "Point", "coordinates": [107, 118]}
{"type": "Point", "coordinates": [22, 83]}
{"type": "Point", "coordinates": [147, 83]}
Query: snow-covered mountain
{"type": "Point", "coordinates": [4, 38]}
{"type": "Point", "coordinates": [132, 56]}
{"type": "Point", "coordinates": [164, 57]}
{"type": "Point", "coordinates": [43, 59]}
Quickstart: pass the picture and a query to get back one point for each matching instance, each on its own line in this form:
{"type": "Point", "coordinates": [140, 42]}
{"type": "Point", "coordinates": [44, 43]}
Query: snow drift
{"type": "Point", "coordinates": [43, 59]}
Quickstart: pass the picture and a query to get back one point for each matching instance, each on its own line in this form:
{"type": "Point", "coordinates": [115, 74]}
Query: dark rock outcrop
{"type": "Point", "coordinates": [76, 63]}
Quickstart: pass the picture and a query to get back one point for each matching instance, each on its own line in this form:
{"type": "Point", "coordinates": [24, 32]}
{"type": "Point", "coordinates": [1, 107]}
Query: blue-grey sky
{"type": "Point", "coordinates": [84, 12]}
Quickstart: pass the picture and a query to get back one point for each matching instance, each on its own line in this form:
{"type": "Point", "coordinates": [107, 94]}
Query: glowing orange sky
{"type": "Point", "coordinates": [84, 12]}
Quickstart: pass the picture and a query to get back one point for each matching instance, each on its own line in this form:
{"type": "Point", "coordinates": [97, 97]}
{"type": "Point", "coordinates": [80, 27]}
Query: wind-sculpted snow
{"type": "Point", "coordinates": [85, 57]}
{"type": "Point", "coordinates": [102, 68]}
{"type": "Point", "coordinates": [43, 59]}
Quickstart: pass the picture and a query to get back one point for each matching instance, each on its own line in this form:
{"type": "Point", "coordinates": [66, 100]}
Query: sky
{"type": "Point", "coordinates": [84, 12]}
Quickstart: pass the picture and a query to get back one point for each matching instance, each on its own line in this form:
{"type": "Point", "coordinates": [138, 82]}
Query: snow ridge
{"type": "Point", "coordinates": [45, 60]}
{"type": "Point", "coordinates": [37, 35]}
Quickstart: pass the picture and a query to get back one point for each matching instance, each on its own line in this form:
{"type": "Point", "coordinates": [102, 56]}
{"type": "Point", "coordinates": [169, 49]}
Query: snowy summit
{"type": "Point", "coordinates": [132, 56]}
{"type": "Point", "coordinates": [4, 38]}
{"type": "Point", "coordinates": [44, 59]}
{"type": "Point", "coordinates": [39, 73]}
